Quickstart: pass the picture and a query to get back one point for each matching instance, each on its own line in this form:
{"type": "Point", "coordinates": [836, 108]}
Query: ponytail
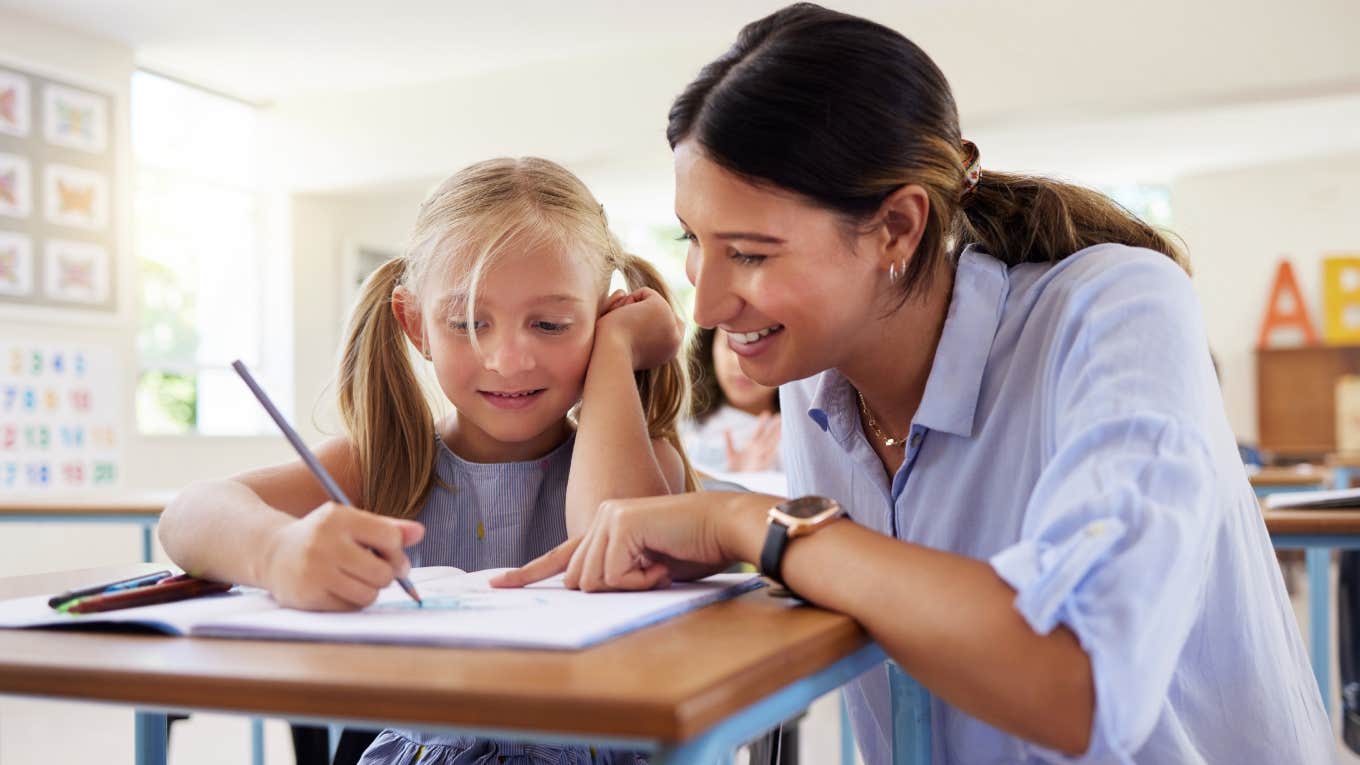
{"type": "Point", "coordinates": [1029, 219]}
{"type": "Point", "coordinates": [664, 390]}
{"type": "Point", "coordinates": [381, 402]}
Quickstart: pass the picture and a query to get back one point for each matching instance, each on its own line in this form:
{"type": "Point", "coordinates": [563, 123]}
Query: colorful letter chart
{"type": "Point", "coordinates": [58, 244]}
{"type": "Point", "coordinates": [58, 417]}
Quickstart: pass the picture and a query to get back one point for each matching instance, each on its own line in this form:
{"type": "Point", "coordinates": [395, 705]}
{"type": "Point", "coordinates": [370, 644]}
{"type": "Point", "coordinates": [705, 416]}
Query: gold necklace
{"type": "Point", "coordinates": [873, 425]}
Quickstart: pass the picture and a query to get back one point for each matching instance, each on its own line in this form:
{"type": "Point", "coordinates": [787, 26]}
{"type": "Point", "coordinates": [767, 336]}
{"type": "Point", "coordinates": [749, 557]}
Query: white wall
{"type": "Point", "coordinates": [324, 226]}
{"type": "Point", "coordinates": [1237, 224]}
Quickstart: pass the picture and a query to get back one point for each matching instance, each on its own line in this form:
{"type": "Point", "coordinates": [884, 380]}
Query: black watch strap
{"type": "Point", "coordinates": [772, 554]}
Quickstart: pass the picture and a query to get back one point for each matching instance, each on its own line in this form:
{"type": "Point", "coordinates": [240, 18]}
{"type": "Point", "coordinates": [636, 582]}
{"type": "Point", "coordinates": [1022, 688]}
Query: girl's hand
{"type": "Point", "coordinates": [758, 453]}
{"type": "Point", "coordinates": [337, 558]}
{"type": "Point", "coordinates": [645, 325]}
{"type": "Point", "coordinates": [642, 544]}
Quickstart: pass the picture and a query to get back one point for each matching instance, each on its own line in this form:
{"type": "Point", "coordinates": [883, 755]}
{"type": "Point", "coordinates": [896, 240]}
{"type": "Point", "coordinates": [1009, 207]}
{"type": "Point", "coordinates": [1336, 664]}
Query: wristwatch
{"type": "Point", "coordinates": [790, 520]}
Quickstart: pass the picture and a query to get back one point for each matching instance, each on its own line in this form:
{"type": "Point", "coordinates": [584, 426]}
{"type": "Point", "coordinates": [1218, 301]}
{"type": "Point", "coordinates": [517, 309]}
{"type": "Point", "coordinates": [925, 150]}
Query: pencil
{"type": "Point", "coordinates": [332, 488]}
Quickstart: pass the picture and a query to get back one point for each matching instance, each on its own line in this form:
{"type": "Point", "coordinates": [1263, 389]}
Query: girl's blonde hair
{"type": "Point", "coordinates": [475, 216]}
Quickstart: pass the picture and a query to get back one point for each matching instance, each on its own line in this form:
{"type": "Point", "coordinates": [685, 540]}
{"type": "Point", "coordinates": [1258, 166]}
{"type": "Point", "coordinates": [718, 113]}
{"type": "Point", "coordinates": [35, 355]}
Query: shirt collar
{"type": "Point", "coordinates": [955, 380]}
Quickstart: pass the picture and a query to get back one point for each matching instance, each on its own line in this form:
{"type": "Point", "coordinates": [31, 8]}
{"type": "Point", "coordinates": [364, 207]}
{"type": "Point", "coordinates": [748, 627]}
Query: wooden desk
{"type": "Point", "coordinates": [1317, 532]}
{"type": "Point", "coordinates": [690, 689]}
{"type": "Point", "coordinates": [1344, 467]}
{"type": "Point", "coordinates": [142, 509]}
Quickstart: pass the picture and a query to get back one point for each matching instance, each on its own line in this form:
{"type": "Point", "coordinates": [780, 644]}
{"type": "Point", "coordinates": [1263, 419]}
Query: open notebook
{"type": "Point", "coordinates": [460, 609]}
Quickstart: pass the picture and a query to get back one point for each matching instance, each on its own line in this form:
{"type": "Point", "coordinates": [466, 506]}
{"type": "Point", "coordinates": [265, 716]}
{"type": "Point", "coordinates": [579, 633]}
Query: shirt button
{"type": "Point", "coordinates": [1095, 529]}
{"type": "Point", "coordinates": [915, 440]}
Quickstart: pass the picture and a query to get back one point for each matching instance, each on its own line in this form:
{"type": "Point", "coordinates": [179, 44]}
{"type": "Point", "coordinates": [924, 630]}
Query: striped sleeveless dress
{"type": "Point", "coordinates": [490, 516]}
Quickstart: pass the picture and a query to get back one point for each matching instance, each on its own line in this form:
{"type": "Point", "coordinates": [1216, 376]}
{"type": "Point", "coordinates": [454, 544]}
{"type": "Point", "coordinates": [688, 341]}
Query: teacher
{"type": "Point", "coordinates": [1000, 415]}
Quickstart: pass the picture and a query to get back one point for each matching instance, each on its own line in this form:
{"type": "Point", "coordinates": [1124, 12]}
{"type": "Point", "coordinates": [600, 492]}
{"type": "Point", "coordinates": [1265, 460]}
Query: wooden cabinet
{"type": "Point", "coordinates": [1296, 397]}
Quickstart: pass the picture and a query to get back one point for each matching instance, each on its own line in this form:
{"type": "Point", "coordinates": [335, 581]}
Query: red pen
{"type": "Point", "coordinates": [168, 590]}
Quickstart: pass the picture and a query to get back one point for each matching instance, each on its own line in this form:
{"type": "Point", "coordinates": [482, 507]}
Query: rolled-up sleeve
{"type": "Point", "coordinates": [1119, 527]}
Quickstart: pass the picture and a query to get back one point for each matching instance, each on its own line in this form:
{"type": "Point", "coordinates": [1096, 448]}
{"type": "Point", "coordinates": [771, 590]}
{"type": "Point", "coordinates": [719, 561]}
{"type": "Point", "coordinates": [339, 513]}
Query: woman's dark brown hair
{"type": "Point", "coordinates": [844, 111]}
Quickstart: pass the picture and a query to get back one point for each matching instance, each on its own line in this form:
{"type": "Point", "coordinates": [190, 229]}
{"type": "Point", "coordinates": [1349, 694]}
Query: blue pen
{"type": "Point", "coordinates": [318, 470]}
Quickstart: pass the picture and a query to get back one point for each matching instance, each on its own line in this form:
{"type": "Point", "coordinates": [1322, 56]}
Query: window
{"type": "Point", "coordinates": [1152, 203]}
{"type": "Point", "coordinates": [661, 245]}
{"type": "Point", "coordinates": [200, 237]}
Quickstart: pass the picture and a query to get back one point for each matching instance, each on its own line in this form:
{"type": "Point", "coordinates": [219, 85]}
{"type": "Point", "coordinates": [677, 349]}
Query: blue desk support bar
{"type": "Point", "coordinates": [1318, 555]}
{"type": "Point", "coordinates": [911, 718]}
{"type": "Point", "coordinates": [720, 741]}
{"type": "Point", "coordinates": [848, 748]}
{"type": "Point", "coordinates": [151, 737]}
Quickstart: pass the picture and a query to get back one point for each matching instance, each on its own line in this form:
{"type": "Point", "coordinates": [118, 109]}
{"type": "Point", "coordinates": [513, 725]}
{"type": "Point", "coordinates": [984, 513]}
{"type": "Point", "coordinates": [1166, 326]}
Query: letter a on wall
{"type": "Point", "coordinates": [1286, 323]}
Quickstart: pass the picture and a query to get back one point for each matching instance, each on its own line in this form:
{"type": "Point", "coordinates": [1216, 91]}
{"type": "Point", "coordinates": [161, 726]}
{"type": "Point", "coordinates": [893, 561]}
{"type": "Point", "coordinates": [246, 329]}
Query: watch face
{"type": "Point", "coordinates": [805, 507]}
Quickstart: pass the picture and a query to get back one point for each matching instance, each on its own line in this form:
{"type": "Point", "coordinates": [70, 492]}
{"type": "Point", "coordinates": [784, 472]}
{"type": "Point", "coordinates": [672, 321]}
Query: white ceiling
{"type": "Point", "coordinates": [267, 50]}
{"type": "Point", "coordinates": [1094, 89]}
{"type": "Point", "coordinates": [264, 50]}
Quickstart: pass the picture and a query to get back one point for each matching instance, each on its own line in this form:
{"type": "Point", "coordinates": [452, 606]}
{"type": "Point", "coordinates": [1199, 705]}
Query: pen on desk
{"type": "Point", "coordinates": [182, 587]}
{"type": "Point", "coordinates": [318, 470]}
{"type": "Point", "coordinates": [100, 589]}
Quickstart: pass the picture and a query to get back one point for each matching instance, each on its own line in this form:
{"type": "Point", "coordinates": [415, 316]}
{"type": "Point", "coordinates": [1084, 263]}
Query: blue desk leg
{"type": "Point", "coordinates": [911, 718]}
{"type": "Point", "coordinates": [1319, 619]}
{"type": "Point", "coordinates": [256, 741]}
{"type": "Point", "coordinates": [146, 541]}
{"type": "Point", "coordinates": [151, 736]}
{"type": "Point", "coordinates": [847, 734]}
{"type": "Point", "coordinates": [719, 742]}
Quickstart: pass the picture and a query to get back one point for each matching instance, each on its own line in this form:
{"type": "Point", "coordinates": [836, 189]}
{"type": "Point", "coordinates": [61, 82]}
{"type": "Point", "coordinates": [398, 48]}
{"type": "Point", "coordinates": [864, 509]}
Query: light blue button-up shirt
{"type": "Point", "coordinates": [1073, 435]}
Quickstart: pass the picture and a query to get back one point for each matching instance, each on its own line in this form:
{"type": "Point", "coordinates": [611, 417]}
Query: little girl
{"type": "Point", "coordinates": [735, 426]}
{"type": "Point", "coordinates": [503, 289]}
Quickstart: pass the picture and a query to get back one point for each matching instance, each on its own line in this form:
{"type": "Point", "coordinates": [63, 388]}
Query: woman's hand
{"type": "Point", "coordinates": [642, 544]}
{"type": "Point", "coordinates": [645, 325]}
{"type": "Point", "coordinates": [760, 451]}
{"type": "Point", "coordinates": [337, 558]}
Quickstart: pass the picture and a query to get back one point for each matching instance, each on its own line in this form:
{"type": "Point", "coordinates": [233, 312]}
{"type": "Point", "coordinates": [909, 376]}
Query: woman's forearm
{"type": "Point", "coordinates": [948, 620]}
{"type": "Point", "coordinates": [220, 530]}
{"type": "Point", "coordinates": [613, 456]}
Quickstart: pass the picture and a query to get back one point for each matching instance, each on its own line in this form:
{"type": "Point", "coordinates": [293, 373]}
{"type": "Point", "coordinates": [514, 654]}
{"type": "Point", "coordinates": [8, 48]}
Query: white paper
{"type": "Point", "coordinates": [1314, 500]}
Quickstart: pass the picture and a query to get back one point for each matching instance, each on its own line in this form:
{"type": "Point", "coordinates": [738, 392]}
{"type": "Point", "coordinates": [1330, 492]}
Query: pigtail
{"type": "Point", "coordinates": [665, 390]}
{"type": "Point", "coordinates": [381, 402]}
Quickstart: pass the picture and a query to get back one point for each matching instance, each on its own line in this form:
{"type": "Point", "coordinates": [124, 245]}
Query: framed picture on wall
{"type": "Point", "coordinates": [76, 119]}
{"type": "Point", "coordinates": [16, 186]}
{"type": "Point", "coordinates": [58, 209]}
{"type": "Point", "coordinates": [15, 110]}
{"type": "Point", "coordinates": [16, 264]}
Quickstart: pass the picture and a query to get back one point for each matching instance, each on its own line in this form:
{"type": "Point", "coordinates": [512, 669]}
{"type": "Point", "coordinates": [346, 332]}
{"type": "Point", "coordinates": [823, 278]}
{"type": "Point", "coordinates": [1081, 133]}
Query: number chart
{"type": "Point", "coordinates": [58, 418]}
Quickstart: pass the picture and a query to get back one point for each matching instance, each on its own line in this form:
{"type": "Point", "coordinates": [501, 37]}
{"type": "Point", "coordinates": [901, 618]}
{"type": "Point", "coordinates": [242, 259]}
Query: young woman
{"type": "Point", "coordinates": [1005, 383]}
